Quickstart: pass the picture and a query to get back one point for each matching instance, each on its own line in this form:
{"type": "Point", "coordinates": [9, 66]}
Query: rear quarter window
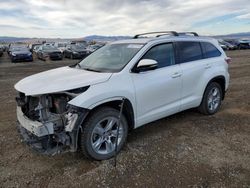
{"type": "Point", "coordinates": [209, 50]}
{"type": "Point", "coordinates": [189, 51]}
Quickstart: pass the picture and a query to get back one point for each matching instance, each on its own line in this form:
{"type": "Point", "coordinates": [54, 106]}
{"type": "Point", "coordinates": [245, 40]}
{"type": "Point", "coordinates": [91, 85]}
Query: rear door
{"type": "Point", "coordinates": [196, 60]}
{"type": "Point", "coordinates": [158, 91]}
{"type": "Point", "coordinates": [193, 67]}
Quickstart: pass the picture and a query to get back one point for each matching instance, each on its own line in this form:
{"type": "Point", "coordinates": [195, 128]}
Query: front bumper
{"type": "Point", "coordinates": [55, 56]}
{"type": "Point", "coordinates": [45, 138]}
{"type": "Point", "coordinates": [37, 128]}
{"type": "Point", "coordinates": [79, 55]}
{"type": "Point", "coordinates": [42, 145]}
{"type": "Point", "coordinates": [22, 58]}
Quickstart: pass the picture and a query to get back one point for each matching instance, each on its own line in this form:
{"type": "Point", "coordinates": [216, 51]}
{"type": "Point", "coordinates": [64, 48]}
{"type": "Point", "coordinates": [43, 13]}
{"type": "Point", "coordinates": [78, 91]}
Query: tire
{"type": "Point", "coordinates": [71, 56]}
{"type": "Point", "coordinates": [212, 98]}
{"type": "Point", "coordinates": [98, 143]}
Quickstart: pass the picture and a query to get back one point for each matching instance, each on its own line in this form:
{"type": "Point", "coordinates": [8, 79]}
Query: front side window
{"type": "Point", "coordinates": [110, 58]}
{"type": "Point", "coordinates": [189, 51]}
{"type": "Point", "coordinates": [163, 54]}
{"type": "Point", "coordinates": [209, 50]}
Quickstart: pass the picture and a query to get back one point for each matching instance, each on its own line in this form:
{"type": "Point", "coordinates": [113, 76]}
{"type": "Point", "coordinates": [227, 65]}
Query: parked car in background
{"type": "Point", "coordinates": [75, 51]}
{"type": "Point", "coordinates": [48, 44]}
{"type": "Point", "coordinates": [14, 46]}
{"type": "Point", "coordinates": [32, 46]}
{"type": "Point", "coordinates": [3, 47]}
{"type": "Point", "coordinates": [19, 54]}
{"type": "Point", "coordinates": [49, 52]}
{"type": "Point", "coordinates": [244, 44]}
{"type": "Point", "coordinates": [61, 46]}
{"type": "Point", "coordinates": [81, 42]}
{"type": "Point", "coordinates": [36, 48]}
{"type": "Point", "coordinates": [234, 42]}
{"type": "Point", "coordinates": [1, 50]}
{"type": "Point", "coordinates": [223, 46]}
{"type": "Point", "coordinates": [226, 45]}
{"type": "Point", "coordinates": [92, 48]}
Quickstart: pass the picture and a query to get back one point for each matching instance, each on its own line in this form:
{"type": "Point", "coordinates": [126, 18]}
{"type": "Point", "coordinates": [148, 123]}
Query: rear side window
{"type": "Point", "coordinates": [163, 54]}
{"type": "Point", "coordinates": [188, 51]}
{"type": "Point", "coordinates": [209, 50]}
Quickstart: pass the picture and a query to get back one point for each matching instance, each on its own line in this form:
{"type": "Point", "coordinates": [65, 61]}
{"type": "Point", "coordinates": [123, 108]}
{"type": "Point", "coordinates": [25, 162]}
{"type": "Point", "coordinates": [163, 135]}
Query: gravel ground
{"type": "Point", "coordinates": [184, 150]}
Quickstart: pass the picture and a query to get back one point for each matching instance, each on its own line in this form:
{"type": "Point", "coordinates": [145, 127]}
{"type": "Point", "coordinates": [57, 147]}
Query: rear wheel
{"type": "Point", "coordinates": [211, 101]}
{"type": "Point", "coordinates": [98, 139]}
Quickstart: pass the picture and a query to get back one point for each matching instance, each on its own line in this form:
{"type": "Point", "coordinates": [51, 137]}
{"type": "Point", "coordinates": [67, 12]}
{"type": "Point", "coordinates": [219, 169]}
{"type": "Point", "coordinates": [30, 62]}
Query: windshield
{"type": "Point", "coordinates": [19, 49]}
{"type": "Point", "coordinates": [110, 58]}
{"type": "Point", "coordinates": [61, 45]}
{"type": "Point", "coordinates": [49, 48]}
{"type": "Point", "coordinates": [78, 47]}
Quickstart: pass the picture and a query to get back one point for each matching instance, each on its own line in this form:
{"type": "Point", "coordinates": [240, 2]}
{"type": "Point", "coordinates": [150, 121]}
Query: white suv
{"type": "Point", "coordinates": [79, 106]}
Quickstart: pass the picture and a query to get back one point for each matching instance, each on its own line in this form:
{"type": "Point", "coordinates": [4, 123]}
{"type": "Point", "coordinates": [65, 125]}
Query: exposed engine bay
{"type": "Point", "coordinates": [49, 124]}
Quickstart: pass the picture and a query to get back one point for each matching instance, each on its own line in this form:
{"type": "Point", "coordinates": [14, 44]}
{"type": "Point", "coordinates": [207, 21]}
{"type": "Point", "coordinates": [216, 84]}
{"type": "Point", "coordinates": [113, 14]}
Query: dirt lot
{"type": "Point", "coordinates": [184, 150]}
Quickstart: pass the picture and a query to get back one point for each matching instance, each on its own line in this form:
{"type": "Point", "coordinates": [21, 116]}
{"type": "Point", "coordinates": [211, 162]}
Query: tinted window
{"type": "Point", "coordinates": [163, 54]}
{"type": "Point", "coordinates": [189, 51]}
{"type": "Point", "coordinates": [210, 50]}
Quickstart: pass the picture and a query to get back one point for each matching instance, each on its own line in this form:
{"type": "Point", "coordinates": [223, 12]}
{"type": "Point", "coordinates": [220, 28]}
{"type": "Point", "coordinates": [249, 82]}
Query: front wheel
{"type": "Point", "coordinates": [98, 138]}
{"type": "Point", "coordinates": [211, 101]}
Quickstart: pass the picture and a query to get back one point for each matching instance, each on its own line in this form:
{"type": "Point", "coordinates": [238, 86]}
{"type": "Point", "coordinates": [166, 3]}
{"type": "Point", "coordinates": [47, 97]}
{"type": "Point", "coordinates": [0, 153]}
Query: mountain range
{"type": "Point", "coordinates": [100, 38]}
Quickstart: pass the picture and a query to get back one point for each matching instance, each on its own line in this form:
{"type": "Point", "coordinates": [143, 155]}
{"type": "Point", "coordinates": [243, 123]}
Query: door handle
{"type": "Point", "coordinates": [207, 66]}
{"type": "Point", "coordinates": [176, 75]}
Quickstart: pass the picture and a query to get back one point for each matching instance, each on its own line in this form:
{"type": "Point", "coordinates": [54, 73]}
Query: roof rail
{"type": "Point", "coordinates": [174, 33]}
{"type": "Point", "coordinates": [189, 33]}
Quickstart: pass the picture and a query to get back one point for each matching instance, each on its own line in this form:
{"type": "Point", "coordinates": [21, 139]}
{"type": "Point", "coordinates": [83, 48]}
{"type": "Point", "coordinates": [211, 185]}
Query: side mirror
{"type": "Point", "coordinates": [146, 65]}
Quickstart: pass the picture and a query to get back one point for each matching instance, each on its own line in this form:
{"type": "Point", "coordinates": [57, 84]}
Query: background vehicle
{"type": "Point", "coordinates": [148, 78]}
{"type": "Point", "coordinates": [1, 50]}
{"type": "Point", "coordinates": [18, 54]}
{"type": "Point", "coordinates": [92, 48]}
{"type": "Point", "coordinates": [234, 42]}
{"type": "Point", "coordinates": [226, 45]}
{"type": "Point", "coordinates": [49, 44]}
{"type": "Point", "coordinates": [49, 52]}
{"type": "Point", "coordinates": [74, 51]}
{"type": "Point", "coordinates": [61, 46]}
{"type": "Point", "coordinates": [244, 44]}
{"type": "Point", "coordinates": [36, 48]}
{"type": "Point", "coordinates": [11, 46]}
{"type": "Point", "coordinates": [32, 46]}
{"type": "Point", "coordinates": [80, 42]}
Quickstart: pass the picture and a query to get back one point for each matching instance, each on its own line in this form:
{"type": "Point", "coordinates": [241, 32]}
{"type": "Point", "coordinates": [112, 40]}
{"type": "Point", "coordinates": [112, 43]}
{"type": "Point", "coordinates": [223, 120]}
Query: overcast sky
{"type": "Point", "coordinates": [78, 18]}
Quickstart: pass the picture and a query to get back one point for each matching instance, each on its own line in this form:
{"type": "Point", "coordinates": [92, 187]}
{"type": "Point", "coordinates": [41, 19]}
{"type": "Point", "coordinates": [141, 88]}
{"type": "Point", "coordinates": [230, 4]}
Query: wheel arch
{"type": "Point", "coordinates": [115, 103]}
{"type": "Point", "coordinates": [221, 80]}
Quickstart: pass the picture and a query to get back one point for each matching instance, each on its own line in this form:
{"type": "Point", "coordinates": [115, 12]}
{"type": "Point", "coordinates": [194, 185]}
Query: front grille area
{"type": "Point", "coordinates": [28, 105]}
{"type": "Point", "coordinates": [55, 55]}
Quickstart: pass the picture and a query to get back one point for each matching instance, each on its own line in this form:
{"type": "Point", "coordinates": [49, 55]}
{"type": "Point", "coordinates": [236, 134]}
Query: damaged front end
{"type": "Point", "coordinates": [48, 123]}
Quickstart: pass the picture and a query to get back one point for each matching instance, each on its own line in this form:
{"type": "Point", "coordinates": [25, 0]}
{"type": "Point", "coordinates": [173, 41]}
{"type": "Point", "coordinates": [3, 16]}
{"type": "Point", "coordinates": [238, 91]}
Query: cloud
{"type": "Point", "coordinates": [75, 18]}
{"type": "Point", "coordinates": [244, 16]}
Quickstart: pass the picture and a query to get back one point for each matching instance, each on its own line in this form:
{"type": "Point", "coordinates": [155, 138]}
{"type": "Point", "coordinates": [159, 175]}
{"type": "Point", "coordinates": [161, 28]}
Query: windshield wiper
{"type": "Point", "coordinates": [88, 69]}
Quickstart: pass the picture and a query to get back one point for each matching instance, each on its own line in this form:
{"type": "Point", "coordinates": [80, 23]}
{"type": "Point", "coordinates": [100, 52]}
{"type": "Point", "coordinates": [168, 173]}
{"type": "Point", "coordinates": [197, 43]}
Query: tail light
{"type": "Point", "coordinates": [228, 60]}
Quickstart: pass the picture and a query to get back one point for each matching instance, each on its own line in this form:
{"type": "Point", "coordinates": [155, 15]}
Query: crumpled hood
{"type": "Point", "coordinates": [58, 80]}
